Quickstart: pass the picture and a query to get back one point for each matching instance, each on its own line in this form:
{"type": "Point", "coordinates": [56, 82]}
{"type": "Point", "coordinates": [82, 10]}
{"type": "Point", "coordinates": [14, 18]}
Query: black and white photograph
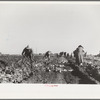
{"type": "Point", "coordinates": [49, 42]}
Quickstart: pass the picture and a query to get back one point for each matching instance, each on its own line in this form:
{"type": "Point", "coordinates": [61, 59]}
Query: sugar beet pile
{"type": "Point", "coordinates": [57, 70]}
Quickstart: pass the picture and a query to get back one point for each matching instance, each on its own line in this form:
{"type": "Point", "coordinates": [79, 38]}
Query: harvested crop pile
{"type": "Point", "coordinates": [15, 73]}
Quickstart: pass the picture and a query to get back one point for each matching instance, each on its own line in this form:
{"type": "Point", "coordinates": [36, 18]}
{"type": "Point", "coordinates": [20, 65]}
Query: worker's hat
{"type": "Point", "coordinates": [80, 46]}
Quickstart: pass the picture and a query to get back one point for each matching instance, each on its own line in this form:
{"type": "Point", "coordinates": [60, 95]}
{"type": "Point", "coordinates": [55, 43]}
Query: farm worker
{"type": "Point", "coordinates": [27, 52]}
{"type": "Point", "coordinates": [78, 54]}
{"type": "Point", "coordinates": [47, 54]}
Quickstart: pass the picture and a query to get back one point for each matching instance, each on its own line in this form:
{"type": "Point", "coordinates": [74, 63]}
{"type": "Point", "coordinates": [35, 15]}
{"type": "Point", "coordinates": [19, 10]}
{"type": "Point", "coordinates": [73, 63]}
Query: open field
{"type": "Point", "coordinates": [57, 70]}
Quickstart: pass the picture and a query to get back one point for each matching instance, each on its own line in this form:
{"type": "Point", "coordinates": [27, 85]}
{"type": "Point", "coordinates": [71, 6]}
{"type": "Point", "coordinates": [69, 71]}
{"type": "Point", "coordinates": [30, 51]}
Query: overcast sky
{"type": "Point", "coordinates": [51, 26]}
